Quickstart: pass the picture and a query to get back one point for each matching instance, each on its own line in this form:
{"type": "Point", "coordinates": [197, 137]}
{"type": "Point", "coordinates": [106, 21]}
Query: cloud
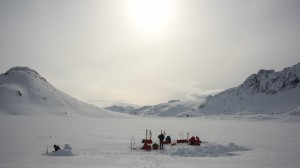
{"type": "Point", "coordinates": [93, 50]}
{"type": "Point", "coordinates": [192, 92]}
{"type": "Point", "coordinates": [106, 103]}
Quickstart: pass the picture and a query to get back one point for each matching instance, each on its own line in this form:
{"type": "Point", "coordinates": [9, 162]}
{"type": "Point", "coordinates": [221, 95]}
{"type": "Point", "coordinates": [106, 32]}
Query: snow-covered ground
{"type": "Point", "coordinates": [104, 142]}
{"type": "Point", "coordinates": [34, 116]}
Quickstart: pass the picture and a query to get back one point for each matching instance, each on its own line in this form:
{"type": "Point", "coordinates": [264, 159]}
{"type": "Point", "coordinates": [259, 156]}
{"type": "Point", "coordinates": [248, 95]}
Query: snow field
{"type": "Point", "coordinates": [105, 142]}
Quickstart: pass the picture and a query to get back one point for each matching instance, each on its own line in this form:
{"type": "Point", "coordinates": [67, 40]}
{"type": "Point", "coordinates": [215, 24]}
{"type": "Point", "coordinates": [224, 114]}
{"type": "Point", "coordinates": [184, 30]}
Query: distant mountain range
{"type": "Point", "coordinates": [267, 92]}
{"type": "Point", "coordinates": [24, 92]}
{"type": "Point", "coordinates": [169, 109]}
{"type": "Point", "coordinates": [120, 109]}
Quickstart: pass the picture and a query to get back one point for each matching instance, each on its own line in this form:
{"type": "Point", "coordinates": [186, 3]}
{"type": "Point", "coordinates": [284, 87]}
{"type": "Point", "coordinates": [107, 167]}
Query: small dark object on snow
{"type": "Point", "coordinates": [146, 147]}
{"type": "Point", "coordinates": [56, 148]}
{"type": "Point", "coordinates": [161, 138]}
{"type": "Point", "coordinates": [155, 146]}
{"type": "Point", "coordinates": [195, 141]}
{"type": "Point", "coordinates": [168, 139]}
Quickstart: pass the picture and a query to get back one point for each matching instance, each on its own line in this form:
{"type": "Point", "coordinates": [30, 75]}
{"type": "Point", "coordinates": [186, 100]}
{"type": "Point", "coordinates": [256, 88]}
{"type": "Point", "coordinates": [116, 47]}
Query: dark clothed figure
{"type": "Point", "coordinates": [56, 148]}
{"type": "Point", "coordinates": [161, 138]}
{"type": "Point", "coordinates": [168, 139]}
{"type": "Point", "coordinates": [192, 140]}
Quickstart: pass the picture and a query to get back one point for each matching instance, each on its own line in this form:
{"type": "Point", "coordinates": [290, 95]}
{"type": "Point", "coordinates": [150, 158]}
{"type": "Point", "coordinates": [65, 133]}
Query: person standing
{"type": "Point", "coordinates": [161, 138]}
{"type": "Point", "coordinates": [56, 148]}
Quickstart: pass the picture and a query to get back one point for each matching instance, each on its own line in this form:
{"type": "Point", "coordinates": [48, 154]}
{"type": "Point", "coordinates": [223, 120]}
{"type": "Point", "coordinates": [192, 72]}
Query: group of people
{"type": "Point", "coordinates": [192, 141]}
{"type": "Point", "coordinates": [161, 138]}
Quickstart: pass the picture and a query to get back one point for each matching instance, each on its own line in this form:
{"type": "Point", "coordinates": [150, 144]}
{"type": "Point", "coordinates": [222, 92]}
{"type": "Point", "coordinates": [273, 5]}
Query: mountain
{"type": "Point", "coordinates": [120, 109]}
{"type": "Point", "coordinates": [172, 108]}
{"type": "Point", "coordinates": [267, 92]}
{"type": "Point", "coordinates": [24, 92]}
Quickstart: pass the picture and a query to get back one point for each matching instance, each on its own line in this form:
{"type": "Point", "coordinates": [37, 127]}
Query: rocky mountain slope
{"type": "Point", "coordinates": [267, 92]}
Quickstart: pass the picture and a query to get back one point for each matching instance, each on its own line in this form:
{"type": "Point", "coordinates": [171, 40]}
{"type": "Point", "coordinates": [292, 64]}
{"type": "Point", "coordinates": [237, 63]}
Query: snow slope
{"type": "Point", "coordinates": [24, 92]}
{"type": "Point", "coordinates": [267, 92]}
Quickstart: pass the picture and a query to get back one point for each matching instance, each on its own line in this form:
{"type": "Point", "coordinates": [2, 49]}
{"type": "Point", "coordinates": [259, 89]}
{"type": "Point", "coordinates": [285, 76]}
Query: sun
{"type": "Point", "coordinates": [150, 14]}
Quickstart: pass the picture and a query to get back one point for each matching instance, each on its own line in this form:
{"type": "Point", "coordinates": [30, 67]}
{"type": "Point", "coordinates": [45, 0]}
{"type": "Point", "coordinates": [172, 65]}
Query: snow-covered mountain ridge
{"type": "Point", "coordinates": [121, 109]}
{"type": "Point", "coordinates": [267, 92]}
{"type": "Point", "coordinates": [271, 82]}
{"type": "Point", "coordinates": [24, 92]}
{"type": "Point", "coordinates": [170, 109]}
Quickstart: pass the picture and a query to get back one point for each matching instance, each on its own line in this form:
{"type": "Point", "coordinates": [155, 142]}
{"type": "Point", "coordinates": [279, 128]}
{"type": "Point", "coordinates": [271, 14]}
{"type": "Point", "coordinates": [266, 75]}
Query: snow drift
{"type": "Point", "coordinates": [207, 150]}
{"type": "Point", "coordinates": [66, 151]}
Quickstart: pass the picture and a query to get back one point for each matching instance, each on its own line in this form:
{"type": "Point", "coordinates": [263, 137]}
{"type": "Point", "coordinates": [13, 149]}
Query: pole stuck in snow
{"type": "Point", "coordinates": [131, 143]}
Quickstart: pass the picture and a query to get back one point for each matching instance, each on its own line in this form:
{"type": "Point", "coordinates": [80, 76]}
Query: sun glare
{"type": "Point", "coordinates": [150, 14]}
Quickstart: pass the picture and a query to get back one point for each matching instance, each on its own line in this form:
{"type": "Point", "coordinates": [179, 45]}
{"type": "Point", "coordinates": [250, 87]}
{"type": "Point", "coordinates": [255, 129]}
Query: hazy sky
{"type": "Point", "coordinates": [151, 51]}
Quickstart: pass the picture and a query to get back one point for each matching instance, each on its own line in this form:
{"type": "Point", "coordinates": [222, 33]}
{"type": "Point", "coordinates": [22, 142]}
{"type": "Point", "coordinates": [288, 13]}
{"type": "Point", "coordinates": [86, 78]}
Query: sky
{"type": "Point", "coordinates": [151, 51]}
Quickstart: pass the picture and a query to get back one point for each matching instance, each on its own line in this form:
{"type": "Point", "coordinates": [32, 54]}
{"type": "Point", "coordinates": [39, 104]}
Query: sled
{"type": "Point", "coordinates": [167, 142]}
{"type": "Point", "coordinates": [182, 141]}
